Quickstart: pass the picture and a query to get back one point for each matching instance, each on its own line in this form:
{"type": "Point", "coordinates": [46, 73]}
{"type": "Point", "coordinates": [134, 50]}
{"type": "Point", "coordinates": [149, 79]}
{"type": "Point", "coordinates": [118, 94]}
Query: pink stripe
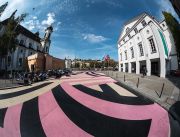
{"type": "Point", "coordinates": [100, 82]}
{"type": "Point", "coordinates": [12, 122]}
{"type": "Point", "coordinates": [79, 76]}
{"type": "Point", "coordinates": [55, 123]}
{"type": "Point", "coordinates": [86, 79]}
{"type": "Point", "coordinates": [160, 120]}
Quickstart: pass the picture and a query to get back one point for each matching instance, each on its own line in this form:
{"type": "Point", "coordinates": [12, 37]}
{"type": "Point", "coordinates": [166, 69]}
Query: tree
{"type": "Point", "coordinates": [8, 39]}
{"type": "Point", "coordinates": [3, 7]}
{"type": "Point", "coordinates": [174, 27]}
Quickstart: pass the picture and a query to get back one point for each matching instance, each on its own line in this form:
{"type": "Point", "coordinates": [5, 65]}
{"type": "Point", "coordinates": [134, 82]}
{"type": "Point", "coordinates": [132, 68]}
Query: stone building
{"type": "Point", "coordinates": [145, 42]}
{"type": "Point", "coordinates": [43, 62]}
{"type": "Point", "coordinates": [28, 44]}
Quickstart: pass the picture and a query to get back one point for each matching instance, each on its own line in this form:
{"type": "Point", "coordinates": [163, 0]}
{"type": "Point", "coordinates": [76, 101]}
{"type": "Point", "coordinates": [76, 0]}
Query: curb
{"type": "Point", "coordinates": [12, 87]}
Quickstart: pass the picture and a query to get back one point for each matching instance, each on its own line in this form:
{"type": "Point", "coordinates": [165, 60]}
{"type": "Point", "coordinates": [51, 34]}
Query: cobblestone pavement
{"type": "Point", "coordinates": [10, 83]}
{"type": "Point", "coordinates": [82, 105]}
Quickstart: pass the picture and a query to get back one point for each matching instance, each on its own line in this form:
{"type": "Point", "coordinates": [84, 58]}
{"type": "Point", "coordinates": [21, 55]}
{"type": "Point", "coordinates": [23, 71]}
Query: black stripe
{"type": "Point", "coordinates": [98, 74]}
{"type": "Point", "coordinates": [97, 124]}
{"type": "Point", "coordinates": [22, 92]}
{"type": "Point", "coordinates": [30, 123]}
{"type": "Point", "coordinates": [109, 94]}
{"type": "Point", "coordinates": [2, 116]}
{"type": "Point", "coordinates": [92, 74]}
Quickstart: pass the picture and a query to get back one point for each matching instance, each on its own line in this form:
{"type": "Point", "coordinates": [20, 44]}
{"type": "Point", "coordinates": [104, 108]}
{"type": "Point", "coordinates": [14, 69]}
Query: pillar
{"type": "Point", "coordinates": [148, 67]}
{"type": "Point", "coordinates": [129, 67]}
{"type": "Point", "coordinates": [124, 67]}
{"type": "Point", "coordinates": [137, 67]}
{"type": "Point", "coordinates": [163, 68]}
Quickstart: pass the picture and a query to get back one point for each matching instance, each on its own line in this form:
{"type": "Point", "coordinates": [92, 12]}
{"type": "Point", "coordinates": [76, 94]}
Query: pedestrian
{"type": "Point", "coordinates": [144, 72]}
{"type": "Point", "coordinates": [26, 78]}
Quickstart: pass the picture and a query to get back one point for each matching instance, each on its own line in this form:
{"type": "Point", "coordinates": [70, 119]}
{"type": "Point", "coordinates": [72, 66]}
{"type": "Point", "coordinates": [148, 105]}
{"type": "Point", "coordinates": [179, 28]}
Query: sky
{"type": "Point", "coordinates": [86, 29]}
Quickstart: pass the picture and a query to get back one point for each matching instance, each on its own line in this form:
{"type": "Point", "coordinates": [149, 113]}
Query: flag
{"type": "Point", "coordinates": [106, 58]}
{"type": "Point", "coordinates": [2, 8]}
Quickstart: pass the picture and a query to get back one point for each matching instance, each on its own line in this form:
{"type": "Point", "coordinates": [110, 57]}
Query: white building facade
{"type": "Point", "coordinates": [147, 43]}
{"type": "Point", "coordinates": [28, 43]}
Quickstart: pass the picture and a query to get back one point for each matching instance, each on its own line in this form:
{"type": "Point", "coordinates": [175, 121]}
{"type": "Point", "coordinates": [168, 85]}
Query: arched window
{"type": "Point", "coordinates": [127, 29]}
{"type": "Point", "coordinates": [30, 46]}
{"type": "Point", "coordinates": [22, 42]}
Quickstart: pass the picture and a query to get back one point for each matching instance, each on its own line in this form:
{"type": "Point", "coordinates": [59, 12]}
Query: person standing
{"type": "Point", "coordinates": [144, 71]}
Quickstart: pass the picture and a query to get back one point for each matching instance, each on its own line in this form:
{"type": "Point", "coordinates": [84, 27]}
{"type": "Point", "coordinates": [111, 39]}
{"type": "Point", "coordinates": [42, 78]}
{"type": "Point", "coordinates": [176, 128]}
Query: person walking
{"type": "Point", "coordinates": [144, 72]}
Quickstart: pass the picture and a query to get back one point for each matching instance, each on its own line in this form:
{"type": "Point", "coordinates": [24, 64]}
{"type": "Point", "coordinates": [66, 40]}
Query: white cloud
{"type": "Point", "coordinates": [35, 17]}
{"type": "Point", "coordinates": [34, 23]}
{"type": "Point", "coordinates": [20, 5]}
{"type": "Point", "coordinates": [94, 38]}
{"type": "Point", "coordinates": [50, 19]}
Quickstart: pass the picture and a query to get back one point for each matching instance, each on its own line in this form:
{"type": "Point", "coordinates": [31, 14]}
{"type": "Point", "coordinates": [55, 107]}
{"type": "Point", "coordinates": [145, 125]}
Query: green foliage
{"type": "Point", "coordinates": [3, 7]}
{"type": "Point", "coordinates": [8, 39]}
{"type": "Point", "coordinates": [174, 27]}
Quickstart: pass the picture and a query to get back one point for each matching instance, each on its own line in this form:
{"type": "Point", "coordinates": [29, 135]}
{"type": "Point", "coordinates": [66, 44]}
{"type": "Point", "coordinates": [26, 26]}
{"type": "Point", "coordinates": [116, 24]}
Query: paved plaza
{"type": "Point", "coordinates": [82, 105]}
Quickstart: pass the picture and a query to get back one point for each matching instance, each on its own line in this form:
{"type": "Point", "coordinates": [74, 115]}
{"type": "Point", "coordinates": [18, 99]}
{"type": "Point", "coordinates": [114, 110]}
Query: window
{"type": "Point", "coordinates": [144, 23]}
{"type": "Point", "coordinates": [132, 52]}
{"type": "Point", "coordinates": [129, 36]}
{"type": "Point", "coordinates": [20, 62]}
{"type": "Point", "coordinates": [21, 51]}
{"type": "Point", "coordinates": [121, 67]}
{"type": "Point", "coordinates": [47, 49]}
{"type": "Point", "coordinates": [22, 42]}
{"type": "Point", "coordinates": [9, 60]}
{"type": "Point", "coordinates": [141, 50]}
{"type": "Point", "coordinates": [127, 29]}
{"type": "Point", "coordinates": [163, 25]}
{"type": "Point", "coordinates": [17, 41]}
{"type": "Point", "coordinates": [152, 44]}
{"type": "Point", "coordinates": [30, 45]}
{"type": "Point", "coordinates": [136, 30]}
{"type": "Point", "coordinates": [147, 31]}
{"type": "Point", "coordinates": [121, 56]}
{"type": "Point", "coordinates": [125, 55]}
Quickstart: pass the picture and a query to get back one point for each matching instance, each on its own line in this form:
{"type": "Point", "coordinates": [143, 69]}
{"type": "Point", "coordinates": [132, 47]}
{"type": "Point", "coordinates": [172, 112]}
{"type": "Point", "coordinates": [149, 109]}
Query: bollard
{"type": "Point", "coordinates": [138, 83]}
{"type": "Point", "coordinates": [124, 78]}
{"type": "Point", "coordinates": [162, 90]}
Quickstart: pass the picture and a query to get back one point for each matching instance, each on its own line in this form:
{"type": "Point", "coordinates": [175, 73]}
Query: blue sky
{"type": "Point", "coordinates": [84, 28]}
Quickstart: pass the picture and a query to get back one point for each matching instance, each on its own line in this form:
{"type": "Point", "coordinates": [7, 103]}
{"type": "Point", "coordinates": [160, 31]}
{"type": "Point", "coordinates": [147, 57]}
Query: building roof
{"type": "Point", "coordinates": [138, 18]}
{"type": "Point", "coordinates": [29, 34]}
{"type": "Point", "coordinates": [24, 31]}
{"type": "Point", "coordinates": [134, 19]}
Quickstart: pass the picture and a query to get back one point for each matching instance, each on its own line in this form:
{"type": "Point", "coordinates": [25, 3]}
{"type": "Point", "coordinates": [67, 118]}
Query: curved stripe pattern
{"type": "Point", "coordinates": [55, 123]}
{"type": "Point", "coordinates": [19, 93]}
{"type": "Point", "coordinates": [90, 74]}
{"type": "Point", "coordinates": [2, 115]}
{"type": "Point", "coordinates": [11, 126]}
{"type": "Point", "coordinates": [30, 123]}
{"type": "Point", "coordinates": [96, 123]}
{"type": "Point", "coordinates": [110, 95]}
{"type": "Point", "coordinates": [158, 127]}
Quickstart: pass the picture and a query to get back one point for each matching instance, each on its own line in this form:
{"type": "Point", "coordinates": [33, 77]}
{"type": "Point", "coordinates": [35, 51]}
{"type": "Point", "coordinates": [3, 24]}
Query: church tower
{"type": "Point", "coordinates": [46, 40]}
